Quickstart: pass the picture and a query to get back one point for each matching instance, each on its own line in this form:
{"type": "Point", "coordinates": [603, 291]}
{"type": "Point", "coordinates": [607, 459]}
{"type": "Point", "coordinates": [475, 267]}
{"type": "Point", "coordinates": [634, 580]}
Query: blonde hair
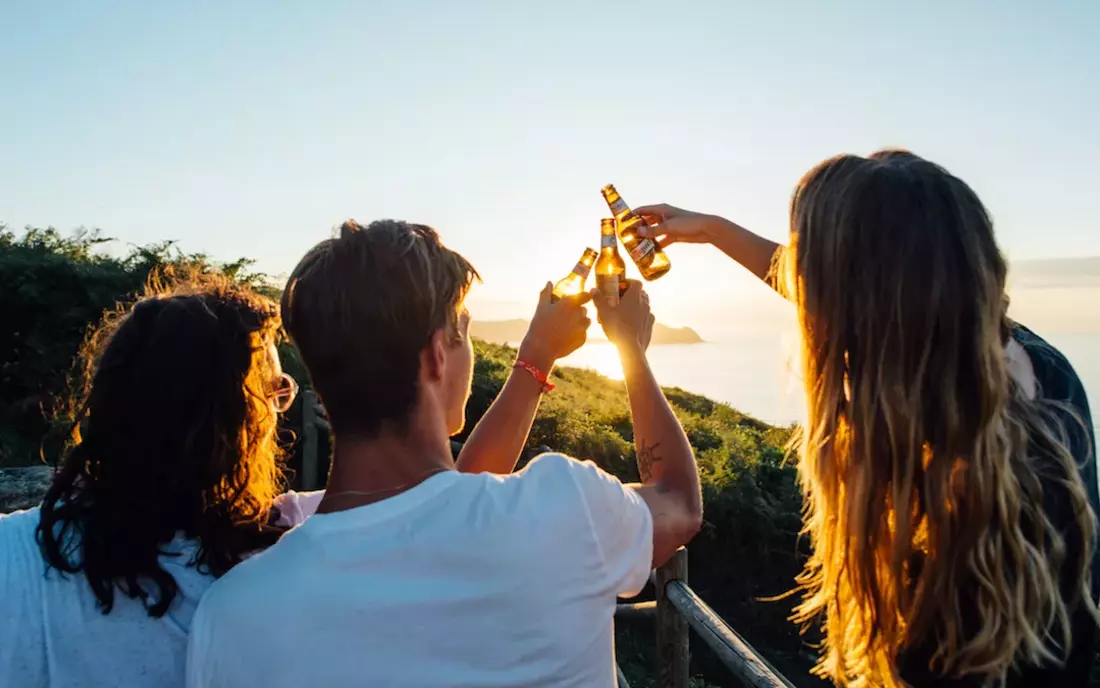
{"type": "Point", "coordinates": [923, 464]}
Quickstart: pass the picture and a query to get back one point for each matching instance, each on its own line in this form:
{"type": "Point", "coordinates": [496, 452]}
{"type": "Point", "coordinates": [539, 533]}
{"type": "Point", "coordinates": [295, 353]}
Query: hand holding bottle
{"type": "Point", "coordinates": [668, 224]}
{"type": "Point", "coordinates": [644, 251]}
{"type": "Point", "coordinates": [558, 328]}
{"type": "Point", "coordinates": [628, 325]}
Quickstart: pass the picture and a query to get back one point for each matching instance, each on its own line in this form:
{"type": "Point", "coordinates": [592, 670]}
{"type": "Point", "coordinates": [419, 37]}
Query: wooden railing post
{"type": "Point", "coordinates": [677, 609]}
{"type": "Point", "coordinates": [672, 628]}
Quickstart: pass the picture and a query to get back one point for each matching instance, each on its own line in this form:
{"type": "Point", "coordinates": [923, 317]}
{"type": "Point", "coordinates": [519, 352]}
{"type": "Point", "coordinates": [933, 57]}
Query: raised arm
{"type": "Point", "coordinates": [557, 329]}
{"type": "Point", "coordinates": [672, 225]}
{"type": "Point", "coordinates": [666, 464]}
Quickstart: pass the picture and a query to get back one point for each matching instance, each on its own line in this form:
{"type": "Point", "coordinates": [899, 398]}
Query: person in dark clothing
{"type": "Point", "coordinates": [948, 458]}
{"type": "Point", "coordinates": [1059, 384]}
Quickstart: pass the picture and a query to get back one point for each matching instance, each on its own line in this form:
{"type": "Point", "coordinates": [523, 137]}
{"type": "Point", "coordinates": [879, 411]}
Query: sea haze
{"type": "Point", "coordinates": [749, 356]}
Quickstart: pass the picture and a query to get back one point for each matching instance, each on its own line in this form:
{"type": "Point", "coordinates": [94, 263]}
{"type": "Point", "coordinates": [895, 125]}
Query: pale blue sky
{"type": "Point", "coordinates": [250, 128]}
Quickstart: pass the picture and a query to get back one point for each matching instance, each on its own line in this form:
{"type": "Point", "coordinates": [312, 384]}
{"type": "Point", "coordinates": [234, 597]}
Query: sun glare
{"type": "Point", "coordinates": [601, 357]}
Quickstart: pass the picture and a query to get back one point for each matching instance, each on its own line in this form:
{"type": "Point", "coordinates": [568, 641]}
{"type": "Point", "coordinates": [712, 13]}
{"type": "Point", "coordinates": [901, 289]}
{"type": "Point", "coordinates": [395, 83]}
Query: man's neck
{"type": "Point", "coordinates": [368, 471]}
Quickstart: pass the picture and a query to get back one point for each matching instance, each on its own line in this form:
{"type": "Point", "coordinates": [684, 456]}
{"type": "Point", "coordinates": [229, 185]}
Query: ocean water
{"type": "Point", "coordinates": [758, 374]}
{"type": "Point", "coordinates": [754, 374]}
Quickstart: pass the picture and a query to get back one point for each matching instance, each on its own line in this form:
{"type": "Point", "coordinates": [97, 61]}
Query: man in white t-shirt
{"type": "Point", "coordinates": [414, 574]}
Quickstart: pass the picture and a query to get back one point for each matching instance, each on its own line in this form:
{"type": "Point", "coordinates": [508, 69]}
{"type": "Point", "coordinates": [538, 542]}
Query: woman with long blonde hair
{"type": "Point", "coordinates": [947, 459]}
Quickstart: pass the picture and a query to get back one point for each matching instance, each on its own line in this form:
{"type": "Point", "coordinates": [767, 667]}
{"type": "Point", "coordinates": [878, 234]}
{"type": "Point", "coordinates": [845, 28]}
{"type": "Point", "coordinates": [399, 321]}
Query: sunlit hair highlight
{"type": "Point", "coordinates": [923, 464]}
{"type": "Point", "coordinates": [173, 432]}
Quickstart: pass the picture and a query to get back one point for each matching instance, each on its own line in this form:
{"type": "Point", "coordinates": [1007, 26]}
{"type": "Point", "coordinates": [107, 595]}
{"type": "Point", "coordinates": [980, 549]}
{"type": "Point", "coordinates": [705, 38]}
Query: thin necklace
{"type": "Point", "coordinates": [398, 488]}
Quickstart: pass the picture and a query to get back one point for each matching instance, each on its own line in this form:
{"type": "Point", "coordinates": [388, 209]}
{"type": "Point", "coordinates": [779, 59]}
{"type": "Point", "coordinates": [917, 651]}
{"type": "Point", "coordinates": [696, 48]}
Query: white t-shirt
{"type": "Point", "coordinates": [52, 633]}
{"type": "Point", "coordinates": [465, 580]}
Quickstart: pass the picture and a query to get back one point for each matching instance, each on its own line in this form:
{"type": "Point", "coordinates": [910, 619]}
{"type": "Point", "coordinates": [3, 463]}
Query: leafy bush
{"type": "Point", "coordinates": [53, 288]}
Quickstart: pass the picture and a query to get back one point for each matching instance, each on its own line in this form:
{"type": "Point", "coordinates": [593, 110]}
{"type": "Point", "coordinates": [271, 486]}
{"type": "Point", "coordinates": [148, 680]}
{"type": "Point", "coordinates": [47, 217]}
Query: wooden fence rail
{"type": "Point", "coordinates": [677, 609]}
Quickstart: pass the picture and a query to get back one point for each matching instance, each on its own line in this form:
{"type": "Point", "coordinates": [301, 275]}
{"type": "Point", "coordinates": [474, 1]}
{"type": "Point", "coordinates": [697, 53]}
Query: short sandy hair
{"type": "Point", "coordinates": [362, 306]}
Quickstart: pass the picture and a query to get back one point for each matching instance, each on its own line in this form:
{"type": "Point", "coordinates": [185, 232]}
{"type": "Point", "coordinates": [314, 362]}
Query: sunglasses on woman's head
{"type": "Point", "coordinates": [284, 392]}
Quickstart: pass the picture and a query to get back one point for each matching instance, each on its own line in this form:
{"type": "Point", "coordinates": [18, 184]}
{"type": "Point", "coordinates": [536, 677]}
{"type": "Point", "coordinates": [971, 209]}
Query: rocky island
{"type": "Point", "coordinates": [512, 332]}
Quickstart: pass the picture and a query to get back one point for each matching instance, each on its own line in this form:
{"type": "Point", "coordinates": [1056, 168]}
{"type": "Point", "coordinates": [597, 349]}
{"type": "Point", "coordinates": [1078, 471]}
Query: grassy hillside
{"type": "Point", "coordinates": [52, 289]}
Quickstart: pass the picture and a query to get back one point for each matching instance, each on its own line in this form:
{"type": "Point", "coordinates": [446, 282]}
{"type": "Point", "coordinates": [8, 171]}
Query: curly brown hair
{"type": "Point", "coordinates": [173, 432]}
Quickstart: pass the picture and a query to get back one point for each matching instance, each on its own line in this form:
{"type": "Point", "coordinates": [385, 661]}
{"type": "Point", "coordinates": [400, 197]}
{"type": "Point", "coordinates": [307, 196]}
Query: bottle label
{"type": "Point", "coordinates": [581, 269]}
{"type": "Point", "coordinates": [608, 286]}
{"type": "Point", "coordinates": [607, 240]}
{"type": "Point", "coordinates": [642, 249]}
{"type": "Point", "coordinates": [619, 207]}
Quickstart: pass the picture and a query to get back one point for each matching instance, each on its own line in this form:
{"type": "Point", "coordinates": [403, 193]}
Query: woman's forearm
{"type": "Point", "coordinates": [752, 251]}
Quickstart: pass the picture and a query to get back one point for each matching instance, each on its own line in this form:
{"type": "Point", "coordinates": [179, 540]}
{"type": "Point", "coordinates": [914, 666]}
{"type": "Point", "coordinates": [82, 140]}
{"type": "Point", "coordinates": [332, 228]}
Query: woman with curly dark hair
{"type": "Point", "coordinates": [172, 479]}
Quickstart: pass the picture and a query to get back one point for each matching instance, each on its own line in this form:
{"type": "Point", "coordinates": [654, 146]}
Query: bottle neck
{"type": "Point", "coordinates": [607, 241]}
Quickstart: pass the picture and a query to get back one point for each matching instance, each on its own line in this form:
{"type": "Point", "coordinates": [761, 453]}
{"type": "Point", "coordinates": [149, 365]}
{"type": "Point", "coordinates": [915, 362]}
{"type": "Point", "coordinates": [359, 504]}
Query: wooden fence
{"type": "Point", "coordinates": [678, 609]}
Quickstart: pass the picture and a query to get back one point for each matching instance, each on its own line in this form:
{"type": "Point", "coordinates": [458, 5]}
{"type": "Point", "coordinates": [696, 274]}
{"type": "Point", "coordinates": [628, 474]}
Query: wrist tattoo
{"type": "Point", "coordinates": [647, 456]}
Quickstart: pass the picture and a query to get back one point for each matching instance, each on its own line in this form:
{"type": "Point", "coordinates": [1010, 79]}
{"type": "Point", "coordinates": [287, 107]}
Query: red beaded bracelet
{"type": "Point", "coordinates": [535, 373]}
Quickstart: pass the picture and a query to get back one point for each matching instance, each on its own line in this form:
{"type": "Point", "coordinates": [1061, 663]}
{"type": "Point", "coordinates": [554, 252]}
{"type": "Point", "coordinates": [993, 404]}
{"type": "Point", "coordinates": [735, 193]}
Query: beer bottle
{"type": "Point", "coordinates": [610, 268]}
{"type": "Point", "coordinates": [573, 283]}
{"type": "Point", "coordinates": [647, 255]}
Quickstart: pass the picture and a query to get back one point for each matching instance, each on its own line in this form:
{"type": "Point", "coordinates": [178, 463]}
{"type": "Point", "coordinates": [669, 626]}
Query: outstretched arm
{"type": "Point", "coordinates": [750, 250]}
{"type": "Point", "coordinates": [494, 446]}
{"type": "Point", "coordinates": [670, 225]}
{"type": "Point", "coordinates": [666, 463]}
